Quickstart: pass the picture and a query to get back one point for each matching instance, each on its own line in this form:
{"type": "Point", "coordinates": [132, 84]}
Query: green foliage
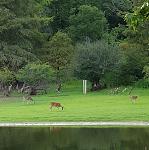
{"type": "Point", "coordinates": [138, 39]}
{"type": "Point", "coordinates": [93, 60]}
{"type": "Point", "coordinates": [139, 16]}
{"type": "Point", "coordinates": [58, 51]}
{"type": "Point", "coordinates": [28, 35]}
{"type": "Point", "coordinates": [146, 71]}
{"type": "Point", "coordinates": [60, 10]}
{"type": "Point", "coordinates": [131, 71]}
{"type": "Point", "coordinates": [14, 56]}
{"type": "Point", "coordinates": [35, 74]}
{"type": "Point", "coordinates": [88, 22]}
{"type": "Point", "coordinates": [138, 23]}
{"type": "Point", "coordinates": [143, 83]}
{"type": "Point", "coordinates": [112, 78]}
{"type": "Point", "coordinates": [115, 10]}
{"type": "Point", "coordinates": [20, 36]}
{"type": "Point", "coordinates": [6, 76]}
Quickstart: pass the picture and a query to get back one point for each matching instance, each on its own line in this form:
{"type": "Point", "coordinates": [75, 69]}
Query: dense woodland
{"type": "Point", "coordinates": [103, 41]}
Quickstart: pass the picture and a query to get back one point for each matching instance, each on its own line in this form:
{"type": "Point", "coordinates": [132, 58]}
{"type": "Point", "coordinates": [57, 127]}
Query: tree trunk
{"type": "Point", "coordinates": [7, 90]}
{"type": "Point", "coordinates": [58, 81]}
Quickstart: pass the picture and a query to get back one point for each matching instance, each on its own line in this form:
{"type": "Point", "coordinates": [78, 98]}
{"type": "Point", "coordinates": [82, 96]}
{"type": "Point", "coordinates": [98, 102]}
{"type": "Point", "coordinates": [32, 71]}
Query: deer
{"type": "Point", "coordinates": [28, 99]}
{"type": "Point", "coordinates": [133, 98]}
{"type": "Point", "coordinates": [55, 104]}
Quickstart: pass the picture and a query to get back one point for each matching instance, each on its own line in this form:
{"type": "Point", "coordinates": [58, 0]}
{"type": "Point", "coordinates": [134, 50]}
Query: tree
{"type": "Point", "coordinates": [61, 10]}
{"type": "Point", "coordinates": [20, 35]}
{"type": "Point", "coordinates": [88, 22]}
{"type": "Point", "coordinates": [136, 46]}
{"type": "Point", "coordinates": [115, 11]}
{"type": "Point", "coordinates": [93, 60]}
{"type": "Point", "coordinates": [138, 23]}
{"type": "Point", "coordinates": [136, 59]}
{"type": "Point", "coordinates": [139, 16]}
{"type": "Point", "coordinates": [58, 52]}
{"type": "Point", "coordinates": [34, 75]}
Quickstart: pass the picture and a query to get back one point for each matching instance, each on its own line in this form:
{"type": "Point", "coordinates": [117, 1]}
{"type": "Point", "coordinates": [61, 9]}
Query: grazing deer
{"type": "Point", "coordinates": [28, 99]}
{"type": "Point", "coordinates": [133, 98]}
{"type": "Point", "coordinates": [55, 104]}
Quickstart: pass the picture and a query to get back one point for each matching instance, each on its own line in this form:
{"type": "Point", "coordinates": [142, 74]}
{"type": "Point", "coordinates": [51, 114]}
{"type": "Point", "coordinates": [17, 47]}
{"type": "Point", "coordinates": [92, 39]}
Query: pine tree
{"type": "Point", "coordinates": [20, 35]}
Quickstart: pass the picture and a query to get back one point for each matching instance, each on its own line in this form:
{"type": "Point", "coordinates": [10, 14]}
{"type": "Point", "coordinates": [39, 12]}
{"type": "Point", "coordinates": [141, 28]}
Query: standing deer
{"type": "Point", "coordinates": [28, 99]}
{"type": "Point", "coordinates": [133, 98]}
{"type": "Point", "coordinates": [55, 104]}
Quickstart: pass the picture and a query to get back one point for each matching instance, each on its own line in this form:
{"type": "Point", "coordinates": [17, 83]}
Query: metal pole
{"type": "Point", "coordinates": [83, 86]}
{"type": "Point", "coordinates": [85, 90]}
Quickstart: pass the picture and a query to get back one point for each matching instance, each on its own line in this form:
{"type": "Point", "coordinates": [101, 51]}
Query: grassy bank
{"type": "Point", "coordinates": [96, 106]}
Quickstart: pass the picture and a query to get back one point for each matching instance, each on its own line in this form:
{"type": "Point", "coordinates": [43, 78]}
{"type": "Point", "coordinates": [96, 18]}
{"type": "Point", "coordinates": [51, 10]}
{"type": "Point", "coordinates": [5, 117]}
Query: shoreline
{"type": "Point", "coordinates": [42, 124]}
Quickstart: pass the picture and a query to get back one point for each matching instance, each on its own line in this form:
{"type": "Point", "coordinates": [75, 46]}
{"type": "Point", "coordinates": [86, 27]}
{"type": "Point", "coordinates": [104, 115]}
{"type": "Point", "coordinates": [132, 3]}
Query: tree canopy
{"type": "Point", "coordinates": [89, 22]}
{"type": "Point", "coordinates": [20, 34]}
{"type": "Point", "coordinates": [95, 59]}
{"type": "Point", "coordinates": [100, 35]}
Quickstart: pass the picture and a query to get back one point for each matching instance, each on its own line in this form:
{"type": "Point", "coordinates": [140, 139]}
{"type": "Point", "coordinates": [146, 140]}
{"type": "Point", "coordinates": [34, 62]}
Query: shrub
{"type": "Point", "coordinates": [35, 74]}
{"type": "Point", "coordinates": [6, 76]}
{"type": "Point", "coordinates": [143, 83]}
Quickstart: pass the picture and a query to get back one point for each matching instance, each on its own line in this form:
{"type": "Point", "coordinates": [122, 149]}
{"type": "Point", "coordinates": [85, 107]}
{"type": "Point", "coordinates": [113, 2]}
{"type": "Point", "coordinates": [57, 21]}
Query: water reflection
{"type": "Point", "coordinates": [54, 138]}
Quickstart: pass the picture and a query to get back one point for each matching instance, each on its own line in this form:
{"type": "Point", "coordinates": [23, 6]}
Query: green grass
{"type": "Point", "coordinates": [96, 106]}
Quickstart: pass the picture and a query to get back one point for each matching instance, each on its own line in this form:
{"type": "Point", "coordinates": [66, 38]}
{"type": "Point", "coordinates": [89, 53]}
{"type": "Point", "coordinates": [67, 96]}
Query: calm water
{"type": "Point", "coordinates": [54, 138]}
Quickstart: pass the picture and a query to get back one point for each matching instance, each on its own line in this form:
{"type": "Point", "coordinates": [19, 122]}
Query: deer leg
{"type": "Point", "coordinates": [51, 108]}
{"type": "Point", "coordinates": [133, 101]}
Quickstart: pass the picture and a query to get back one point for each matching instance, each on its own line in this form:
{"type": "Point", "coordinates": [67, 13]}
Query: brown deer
{"type": "Point", "coordinates": [55, 104]}
{"type": "Point", "coordinates": [133, 98]}
{"type": "Point", "coordinates": [28, 99]}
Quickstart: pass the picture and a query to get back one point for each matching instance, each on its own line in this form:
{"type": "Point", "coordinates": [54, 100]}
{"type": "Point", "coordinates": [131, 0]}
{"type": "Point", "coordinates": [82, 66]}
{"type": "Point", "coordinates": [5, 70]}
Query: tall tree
{"type": "Point", "coordinates": [58, 52]}
{"type": "Point", "coordinates": [138, 39]}
{"type": "Point", "coordinates": [20, 32]}
{"type": "Point", "coordinates": [60, 10]}
{"type": "Point", "coordinates": [88, 22]}
{"type": "Point", "coordinates": [93, 60]}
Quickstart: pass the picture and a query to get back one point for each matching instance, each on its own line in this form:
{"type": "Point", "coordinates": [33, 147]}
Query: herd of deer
{"type": "Point", "coordinates": [29, 99]}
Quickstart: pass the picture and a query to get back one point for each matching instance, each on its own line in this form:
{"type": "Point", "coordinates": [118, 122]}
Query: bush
{"type": "Point", "coordinates": [143, 83]}
{"type": "Point", "coordinates": [6, 76]}
{"type": "Point", "coordinates": [35, 74]}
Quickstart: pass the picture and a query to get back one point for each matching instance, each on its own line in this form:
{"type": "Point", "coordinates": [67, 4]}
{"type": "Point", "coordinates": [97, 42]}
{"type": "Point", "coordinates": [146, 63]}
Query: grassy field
{"type": "Point", "coordinates": [95, 106]}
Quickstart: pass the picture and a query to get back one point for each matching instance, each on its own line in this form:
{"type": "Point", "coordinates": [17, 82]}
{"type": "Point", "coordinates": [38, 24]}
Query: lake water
{"type": "Point", "coordinates": [60, 138]}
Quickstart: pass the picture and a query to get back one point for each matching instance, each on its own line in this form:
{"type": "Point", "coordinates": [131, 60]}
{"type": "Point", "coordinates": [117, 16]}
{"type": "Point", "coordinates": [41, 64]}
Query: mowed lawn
{"type": "Point", "coordinates": [96, 106]}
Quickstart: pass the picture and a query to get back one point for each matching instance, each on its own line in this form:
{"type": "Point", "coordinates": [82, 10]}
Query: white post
{"type": "Point", "coordinates": [85, 90]}
{"type": "Point", "coordinates": [84, 86]}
